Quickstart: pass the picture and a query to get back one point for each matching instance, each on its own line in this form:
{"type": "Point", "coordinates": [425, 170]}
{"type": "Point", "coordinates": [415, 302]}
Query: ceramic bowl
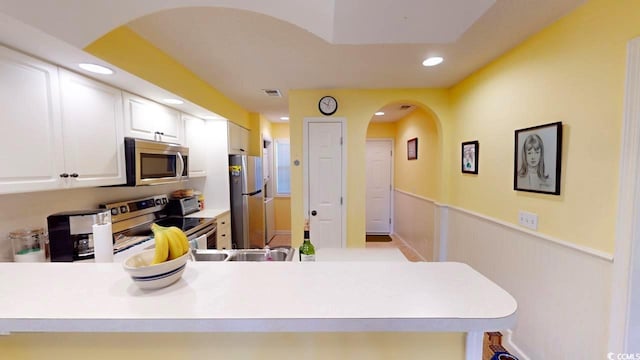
{"type": "Point", "coordinates": [155, 276]}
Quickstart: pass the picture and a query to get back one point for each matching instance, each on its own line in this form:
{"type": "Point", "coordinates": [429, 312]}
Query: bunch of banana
{"type": "Point", "coordinates": [171, 243]}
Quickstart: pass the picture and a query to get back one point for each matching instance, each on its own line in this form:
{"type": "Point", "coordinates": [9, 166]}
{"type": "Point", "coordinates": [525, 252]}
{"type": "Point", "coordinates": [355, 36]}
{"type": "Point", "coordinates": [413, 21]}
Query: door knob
{"type": "Point", "coordinates": [314, 213]}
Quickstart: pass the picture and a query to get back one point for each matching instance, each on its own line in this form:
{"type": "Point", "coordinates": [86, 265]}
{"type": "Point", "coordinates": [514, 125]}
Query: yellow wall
{"type": "Point", "coordinates": [381, 130]}
{"type": "Point", "coordinates": [127, 50]}
{"type": "Point", "coordinates": [422, 175]}
{"type": "Point", "coordinates": [574, 72]}
{"type": "Point", "coordinates": [282, 203]}
{"type": "Point", "coordinates": [277, 346]}
{"type": "Point", "coordinates": [357, 106]}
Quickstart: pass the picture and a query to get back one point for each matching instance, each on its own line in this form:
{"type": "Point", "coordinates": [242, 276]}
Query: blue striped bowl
{"type": "Point", "coordinates": [155, 276]}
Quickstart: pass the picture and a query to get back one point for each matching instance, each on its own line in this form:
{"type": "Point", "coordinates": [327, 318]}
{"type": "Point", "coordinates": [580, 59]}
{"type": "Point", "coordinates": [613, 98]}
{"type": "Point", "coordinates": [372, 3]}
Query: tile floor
{"type": "Point", "coordinates": [409, 253]}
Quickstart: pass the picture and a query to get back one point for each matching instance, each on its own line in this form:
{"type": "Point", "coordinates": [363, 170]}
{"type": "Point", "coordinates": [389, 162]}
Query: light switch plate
{"type": "Point", "coordinates": [528, 220]}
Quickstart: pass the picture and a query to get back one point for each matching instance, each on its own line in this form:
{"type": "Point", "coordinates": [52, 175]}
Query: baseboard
{"type": "Point", "coordinates": [512, 348]}
{"type": "Point", "coordinates": [397, 238]}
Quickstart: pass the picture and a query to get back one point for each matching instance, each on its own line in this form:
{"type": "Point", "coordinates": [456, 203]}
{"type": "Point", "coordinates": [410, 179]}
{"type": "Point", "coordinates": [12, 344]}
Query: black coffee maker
{"type": "Point", "coordinates": [71, 234]}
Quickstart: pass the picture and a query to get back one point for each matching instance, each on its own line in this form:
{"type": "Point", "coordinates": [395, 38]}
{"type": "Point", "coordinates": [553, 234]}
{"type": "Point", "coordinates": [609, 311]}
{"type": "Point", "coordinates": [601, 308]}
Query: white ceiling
{"type": "Point", "coordinates": [243, 46]}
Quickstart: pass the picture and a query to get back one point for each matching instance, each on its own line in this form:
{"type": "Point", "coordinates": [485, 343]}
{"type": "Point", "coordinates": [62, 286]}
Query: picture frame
{"type": "Point", "coordinates": [469, 157]}
{"type": "Point", "coordinates": [537, 161]}
{"type": "Point", "coordinates": [412, 149]}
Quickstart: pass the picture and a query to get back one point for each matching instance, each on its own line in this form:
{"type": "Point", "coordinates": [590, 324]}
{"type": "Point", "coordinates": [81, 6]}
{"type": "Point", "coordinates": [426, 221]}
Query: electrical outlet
{"type": "Point", "coordinates": [528, 220]}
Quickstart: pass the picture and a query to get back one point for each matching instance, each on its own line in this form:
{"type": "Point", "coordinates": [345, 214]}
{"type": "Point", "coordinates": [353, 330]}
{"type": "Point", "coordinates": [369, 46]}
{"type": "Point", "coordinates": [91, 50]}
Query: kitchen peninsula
{"type": "Point", "coordinates": [257, 297]}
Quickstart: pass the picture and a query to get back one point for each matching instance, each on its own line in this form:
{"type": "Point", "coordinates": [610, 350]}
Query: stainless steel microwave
{"type": "Point", "coordinates": [153, 162]}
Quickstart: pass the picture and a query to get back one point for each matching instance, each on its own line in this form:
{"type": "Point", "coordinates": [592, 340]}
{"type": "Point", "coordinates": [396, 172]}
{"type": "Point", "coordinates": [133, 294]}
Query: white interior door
{"type": "Point", "coordinates": [379, 155]}
{"type": "Point", "coordinates": [325, 183]}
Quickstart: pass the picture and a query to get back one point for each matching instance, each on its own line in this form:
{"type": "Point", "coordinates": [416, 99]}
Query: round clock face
{"type": "Point", "coordinates": [328, 105]}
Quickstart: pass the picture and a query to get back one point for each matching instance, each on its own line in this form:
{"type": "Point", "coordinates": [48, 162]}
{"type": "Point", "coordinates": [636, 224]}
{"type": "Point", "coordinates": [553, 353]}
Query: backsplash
{"type": "Point", "coordinates": [31, 209]}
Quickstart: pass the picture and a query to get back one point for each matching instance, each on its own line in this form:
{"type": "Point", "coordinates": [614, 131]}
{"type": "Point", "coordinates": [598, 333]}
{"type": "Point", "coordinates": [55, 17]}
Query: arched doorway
{"type": "Point", "coordinates": [412, 133]}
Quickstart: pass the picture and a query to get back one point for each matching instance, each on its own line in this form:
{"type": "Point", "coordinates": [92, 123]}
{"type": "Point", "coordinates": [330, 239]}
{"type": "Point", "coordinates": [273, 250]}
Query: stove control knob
{"type": "Point", "coordinates": [114, 211]}
{"type": "Point", "coordinates": [123, 209]}
{"type": "Point", "coordinates": [164, 200]}
{"type": "Point", "coordinates": [158, 202]}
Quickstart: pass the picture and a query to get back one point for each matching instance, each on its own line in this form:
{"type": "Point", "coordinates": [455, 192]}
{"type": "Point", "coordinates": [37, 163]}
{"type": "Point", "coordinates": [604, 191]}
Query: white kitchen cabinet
{"type": "Point", "coordinates": [61, 129]}
{"type": "Point", "coordinates": [196, 140]}
{"type": "Point", "coordinates": [145, 119]}
{"type": "Point", "coordinates": [31, 151]}
{"type": "Point", "coordinates": [223, 231]}
{"type": "Point", "coordinates": [238, 139]}
{"type": "Point", "coordinates": [92, 127]}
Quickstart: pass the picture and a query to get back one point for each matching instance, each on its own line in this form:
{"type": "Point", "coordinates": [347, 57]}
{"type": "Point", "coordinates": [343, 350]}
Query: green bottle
{"type": "Point", "coordinates": [307, 251]}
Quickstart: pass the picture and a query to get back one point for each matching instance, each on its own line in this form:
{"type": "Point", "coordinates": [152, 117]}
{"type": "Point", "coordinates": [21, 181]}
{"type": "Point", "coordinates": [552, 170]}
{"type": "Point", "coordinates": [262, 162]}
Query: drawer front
{"type": "Point", "coordinates": [223, 222]}
{"type": "Point", "coordinates": [224, 239]}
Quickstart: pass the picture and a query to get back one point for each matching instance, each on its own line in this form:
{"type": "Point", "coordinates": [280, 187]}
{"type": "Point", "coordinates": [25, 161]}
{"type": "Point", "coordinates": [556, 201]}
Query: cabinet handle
{"type": "Point", "coordinates": [64, 175]}
{"type": "Point", "coordinates": [74, 175]}
{"type": "Point", "coordinates": [242, 150]}
{"type": "Point", "coordinates": [223, 235]}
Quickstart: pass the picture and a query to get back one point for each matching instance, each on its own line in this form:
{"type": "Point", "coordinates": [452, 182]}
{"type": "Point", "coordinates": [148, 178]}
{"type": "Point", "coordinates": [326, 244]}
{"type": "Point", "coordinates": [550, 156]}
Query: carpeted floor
{"type": "Point", "coordinates": [378, 238]}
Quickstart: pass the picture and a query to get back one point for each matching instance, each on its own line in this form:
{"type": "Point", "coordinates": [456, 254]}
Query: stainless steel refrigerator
{"type": "Point", "coordinates": [247, 203]}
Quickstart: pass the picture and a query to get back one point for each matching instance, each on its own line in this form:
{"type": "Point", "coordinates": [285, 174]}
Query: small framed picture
{"type": "Point", "coordinates": [537, 159]}
{"type": "Point", "coordinates": [470, 150]}
{"type": "Point", "coordinates": [412, 149]}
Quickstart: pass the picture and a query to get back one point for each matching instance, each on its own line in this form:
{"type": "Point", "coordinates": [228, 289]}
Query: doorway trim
{"type": "Point", "coordinates": [392, 190]}
{"type": "Point", "coordinates": [305, 168]}
{"type": "Point", "coordinates": [625, 284]}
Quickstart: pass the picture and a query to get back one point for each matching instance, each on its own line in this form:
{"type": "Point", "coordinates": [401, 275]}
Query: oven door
{"type": "Point", "coordinates": [204, 238]}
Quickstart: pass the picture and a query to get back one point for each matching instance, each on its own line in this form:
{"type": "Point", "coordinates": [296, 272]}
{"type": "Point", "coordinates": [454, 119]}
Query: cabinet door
{"type": "Point", "coordinates": [238, 139]}
{"type": "Point", "coordinates": [145, 119]}
{"type": "Point", "coordinates": [93, 131]}
{"type": "Point", "coordinates": [138, 117]}
{"type": "Point", "coordinates": [31, 149]}
{"type": "Point", "coordinates": [195, 139]}
{"type": "Point", "coordinates": [169, 124]}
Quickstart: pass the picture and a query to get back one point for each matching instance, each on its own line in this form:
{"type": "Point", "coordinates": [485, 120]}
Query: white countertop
{"type": "Point", "coordinates": [359, 254]}
{"type": "Point", "coordinates": [254, 297]}
{"type": "Point", "coordinates": [208, 213]}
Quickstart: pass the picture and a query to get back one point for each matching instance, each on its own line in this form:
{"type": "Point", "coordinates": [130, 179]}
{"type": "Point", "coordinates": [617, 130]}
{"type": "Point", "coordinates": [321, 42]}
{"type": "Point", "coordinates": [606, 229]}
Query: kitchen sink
{"type": "Point", "coordinates": [281, 253]}
{"type": "Point", "coordinates": [210, 255]}
{"type": "Point", "coordinates": [277, 254]}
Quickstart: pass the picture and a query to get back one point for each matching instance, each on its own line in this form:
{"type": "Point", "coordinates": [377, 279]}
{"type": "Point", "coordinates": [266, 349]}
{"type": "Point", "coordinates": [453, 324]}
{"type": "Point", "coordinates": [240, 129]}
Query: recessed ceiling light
{"type": "Point", "coordinates": [433, 61]}
{"type": "Point", "coordinates": [173, 101]}
{"type": "Point", "coordinates": [379, 113]}
{"type": "Point", "coordinates": [96, 69]}
{"type": "Point", "coordinates": [284, 118]}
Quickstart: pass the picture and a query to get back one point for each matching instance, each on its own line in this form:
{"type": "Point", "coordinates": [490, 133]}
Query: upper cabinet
{"type": "Point", "coordinates": [93, 131]}
{"type": "Point", "coordinates": [61, 129]}
{"type": "Point", "coordinates": [145, 119]}
{"type": "Point", "coordinates": [238, 139]}
{"type": "Point", "coordinates": [31, 150]}
{"type": "Point", "coordinates": [196, 140]}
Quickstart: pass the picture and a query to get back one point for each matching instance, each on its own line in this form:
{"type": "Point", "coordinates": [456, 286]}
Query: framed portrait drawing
{"type": "Point", "coordinates": [537, 159]}
{"type": "Point", "coordinates": [412, 149]}
{"type": "Point", "coordinates": [470, 150]}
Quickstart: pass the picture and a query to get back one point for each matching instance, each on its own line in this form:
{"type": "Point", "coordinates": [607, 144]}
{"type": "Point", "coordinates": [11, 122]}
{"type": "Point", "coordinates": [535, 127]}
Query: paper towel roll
{"type": "Point", "coordinates": [103, 242]}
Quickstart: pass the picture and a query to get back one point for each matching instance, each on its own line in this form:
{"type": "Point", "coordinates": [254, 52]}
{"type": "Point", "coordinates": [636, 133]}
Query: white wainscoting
{"type": "Point", "coordinates": [563, 292]}
{"type": "Point", "coordinates": [414, 222]}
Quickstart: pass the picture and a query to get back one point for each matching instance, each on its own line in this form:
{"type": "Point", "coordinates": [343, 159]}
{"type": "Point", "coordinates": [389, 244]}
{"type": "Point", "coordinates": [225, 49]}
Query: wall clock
{"type": "Point", "coordinates": [328, 105]}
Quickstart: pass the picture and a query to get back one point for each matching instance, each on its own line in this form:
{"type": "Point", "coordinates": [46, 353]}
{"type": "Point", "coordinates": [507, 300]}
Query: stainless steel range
{"type": "Point", "coordinates": [132, 222]}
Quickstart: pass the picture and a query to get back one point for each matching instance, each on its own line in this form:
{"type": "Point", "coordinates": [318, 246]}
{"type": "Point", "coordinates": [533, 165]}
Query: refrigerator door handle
{"type": "Point", "coordinates": [253, 193]}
